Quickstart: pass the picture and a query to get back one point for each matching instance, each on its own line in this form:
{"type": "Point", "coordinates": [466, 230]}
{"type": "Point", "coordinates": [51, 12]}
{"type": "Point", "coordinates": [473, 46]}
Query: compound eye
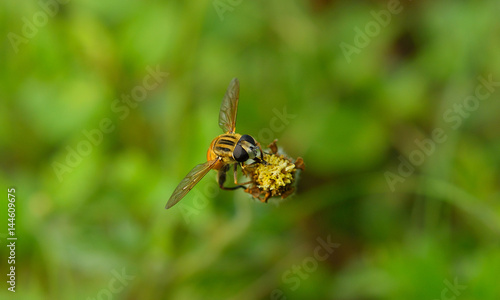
{"type": "Point", "coordinates": [249, 139]}
{"type": "Point", "coordinates": [240, 154]}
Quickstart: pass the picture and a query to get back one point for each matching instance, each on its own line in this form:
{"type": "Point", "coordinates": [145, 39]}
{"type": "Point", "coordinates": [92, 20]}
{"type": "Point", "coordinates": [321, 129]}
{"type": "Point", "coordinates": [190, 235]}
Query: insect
{"type": "Point", "coordinates": [225, 150]}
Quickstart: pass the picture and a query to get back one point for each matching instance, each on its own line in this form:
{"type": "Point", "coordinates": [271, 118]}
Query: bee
{"type": "Point", "coordinates": [225, 150]}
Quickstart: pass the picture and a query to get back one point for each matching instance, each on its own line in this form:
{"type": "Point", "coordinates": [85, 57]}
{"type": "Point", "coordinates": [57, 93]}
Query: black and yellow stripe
{"type": "Point", "coordinates": [223, 149]}
{"type": "Point", "coordinates": [225, 143]}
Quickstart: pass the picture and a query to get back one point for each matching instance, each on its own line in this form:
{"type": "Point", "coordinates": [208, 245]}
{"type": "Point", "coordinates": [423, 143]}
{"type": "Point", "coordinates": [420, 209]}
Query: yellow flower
{"type": "Point", "coordinates": [275, 177]}
{"type": "Point", "coordinates": [275, 174]}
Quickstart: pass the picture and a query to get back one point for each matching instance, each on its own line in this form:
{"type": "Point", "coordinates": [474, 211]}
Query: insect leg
{"type": "Point", "coordinates": [221, 179]}
{"type": "Point", "coordinates": [235, 173]}
{"type": "Point", "coordinates": [261, 153]}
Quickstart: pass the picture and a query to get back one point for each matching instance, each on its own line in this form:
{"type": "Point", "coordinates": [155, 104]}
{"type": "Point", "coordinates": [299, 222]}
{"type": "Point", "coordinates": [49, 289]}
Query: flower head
{"type": "Point", "coordinates": [273, 178]}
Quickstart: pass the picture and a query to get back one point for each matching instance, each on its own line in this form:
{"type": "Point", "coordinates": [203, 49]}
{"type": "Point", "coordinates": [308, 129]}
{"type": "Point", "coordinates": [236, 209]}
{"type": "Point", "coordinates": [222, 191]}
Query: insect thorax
{"type": "Point", "coordinates": [223, 147]}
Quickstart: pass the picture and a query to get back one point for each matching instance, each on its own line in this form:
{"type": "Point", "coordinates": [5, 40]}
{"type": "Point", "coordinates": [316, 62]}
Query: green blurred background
{"type": "Point", "coordinates": [95, 227]}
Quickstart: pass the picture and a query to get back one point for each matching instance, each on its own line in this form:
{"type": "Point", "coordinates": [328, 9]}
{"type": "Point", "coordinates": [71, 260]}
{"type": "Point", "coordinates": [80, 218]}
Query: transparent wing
{"type": "Point", "coordinates": [191, 179]}
{"type": "Point", "coordinates": [229, 107]}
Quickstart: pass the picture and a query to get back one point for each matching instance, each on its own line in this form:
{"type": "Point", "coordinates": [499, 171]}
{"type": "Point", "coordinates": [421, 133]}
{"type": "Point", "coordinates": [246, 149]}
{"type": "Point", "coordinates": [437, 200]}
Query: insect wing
{"type": "Point", "coordinates": [191, 179]}
{"type": "Point", "coordinates": [229, 107]}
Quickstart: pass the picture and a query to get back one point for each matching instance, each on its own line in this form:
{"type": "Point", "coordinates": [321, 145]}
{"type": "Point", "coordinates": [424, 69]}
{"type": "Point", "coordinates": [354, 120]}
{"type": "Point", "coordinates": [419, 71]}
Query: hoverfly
{"type": "Point", "coordinates": [225, 150]}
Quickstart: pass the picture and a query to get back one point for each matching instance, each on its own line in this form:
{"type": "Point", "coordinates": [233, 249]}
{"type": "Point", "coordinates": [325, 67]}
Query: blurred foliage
{"type": "Point", "coordinates": [352, 118]}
